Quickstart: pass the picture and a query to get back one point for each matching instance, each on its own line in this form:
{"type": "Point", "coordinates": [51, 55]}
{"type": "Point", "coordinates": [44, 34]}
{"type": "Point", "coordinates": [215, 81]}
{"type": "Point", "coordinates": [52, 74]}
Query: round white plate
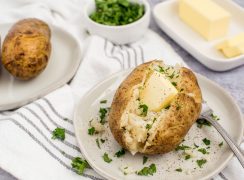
{"type": "Point", "coordinates": [223, 105]}
{"type": "Point", "coordinates": [63, 63]}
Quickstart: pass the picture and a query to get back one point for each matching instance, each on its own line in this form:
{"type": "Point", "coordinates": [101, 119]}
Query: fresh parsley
{"type": "Point", "coordinates": [106, 158]}
{"type": "Point", "coordinates": [58, 133]}
{"type": "Point", "coordinates": [203, 151]}
{"type": "Point", "coordinates": [174, 84]}
{"type": "Point", "coordinates": [178, 170]}
{"type": "Point", "coordinates": [79, 165]}
{"type": "Point", "coordinates": [182, 147]}
{"type": "Point", "coordinates": [201, 162]}
{"type": "Point", "coordinates": [102, 112]}
{"type": "Point", "coordinates": [103, 101]}
{"type": "Point", "coordinates": [215, 117]}
{"type": "Point", "coordinates": [120, 153]}
{"type": "Point", "coordinates": [102, 140]}
{"type": "Point", "coordinates": [144, 108]}
{"type": "Point", "coordinates": [145, 158]}
{"type": "Point", "coordinates": [206, 141]}
{"type": "Point", "coordinates": [91, 131]}
{"type": "Point", "coordinates": [117, 12]}
{"type": "Point", "coordinates": [221, 144]}
{"type": "Point", "coordinates": [98, 144]}
{"type": "Point", "coordinates": [148, 170]}
{"type": "Point", "coordinates": [202, 122]}
{"type": "Point", "coordinates": [187, 157]}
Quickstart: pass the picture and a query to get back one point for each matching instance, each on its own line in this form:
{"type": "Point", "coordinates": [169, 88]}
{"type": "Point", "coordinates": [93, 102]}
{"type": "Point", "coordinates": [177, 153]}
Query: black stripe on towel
{"type": "Point", "coordinates": [50, 119]}
{"type": "Point", "coordinates": [110, 56]}
{"type": "Point", "coordinates": [46, 149]}
{"type": "Point", "coordinates": [44, 136]}
{"type": "Point", "coordinates": [56, 112]}
{"type": "Point", "coordinates": [50, 131]}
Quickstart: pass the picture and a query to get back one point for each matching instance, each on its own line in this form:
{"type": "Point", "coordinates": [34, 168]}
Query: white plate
{"type": "Point", "coordinates": [224, 106]}
{"type": "Point", "coordinates": [63, 63]}
{"type": "Point", "coordinates": [166, 15]}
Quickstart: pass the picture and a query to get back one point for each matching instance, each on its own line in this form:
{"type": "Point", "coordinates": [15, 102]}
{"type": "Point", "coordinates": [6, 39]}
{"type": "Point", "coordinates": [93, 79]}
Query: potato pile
{"type": "Point", "coordinates": [26, 48]}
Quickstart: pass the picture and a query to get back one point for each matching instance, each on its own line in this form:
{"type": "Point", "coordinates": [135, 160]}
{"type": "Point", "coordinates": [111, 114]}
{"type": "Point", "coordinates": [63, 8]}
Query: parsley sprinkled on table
{"type": "Point", "coordinates": [106, 158]}
{"type": "Point", "coordinates": [79, 165]}
{"type": "Point", "coordinates": [148, 170]}
{"type": "Point", "coordinates": [58, 133]}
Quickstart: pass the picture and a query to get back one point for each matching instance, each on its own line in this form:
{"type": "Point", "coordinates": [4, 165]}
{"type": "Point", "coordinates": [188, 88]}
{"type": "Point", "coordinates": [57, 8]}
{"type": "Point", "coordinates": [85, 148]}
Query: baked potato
{"type": "Point", "coordinates": [26, 48]}
{"type": "Point", "coordinates": [154, 107]}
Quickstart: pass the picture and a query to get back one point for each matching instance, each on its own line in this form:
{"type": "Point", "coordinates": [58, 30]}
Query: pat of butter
{"type": "Point", "coordinates": [205, 17]}
{"type": "Point", "coordinates": [232, 47]}
{"type": "Point", "coordinates": [157, 92]}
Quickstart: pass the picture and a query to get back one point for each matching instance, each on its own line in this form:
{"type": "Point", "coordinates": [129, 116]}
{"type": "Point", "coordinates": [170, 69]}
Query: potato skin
{"type": "Point", "coordinates": [26, 48]}
{"type": "Point", "coordinates": [176, 122]}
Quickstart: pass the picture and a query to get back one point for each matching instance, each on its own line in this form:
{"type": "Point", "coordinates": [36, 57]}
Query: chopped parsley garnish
{"type": "Point", "coordinates": [106, 158]}
{"type": "Point", "coordinates": [91, 131]}
{"type": "Point", "coordinates": [103, 101]}
{"type": "Point", "coordinates": [196, 146]}
{"type": "Point", "coordinates": [79, 165]}
{"type": "Point", "coordinates": [148, 126]}
{"type": "Point", "coordinates": [120, 153]}
{"type": "Point", "coordinates": [148, 170]}
{"type": "Point", "coordinates": [174, 84]}
{"type": "Point", "coordinates": [201, 162]}
{"type": "Point", "coordinates": [102, 140]}
{"type": "Point", "coordinates": [117, 12]}
{"type": "Point", "coordinates": [98, 144]}
{"type": "Point", "coordinates": [172, 75]}
{"type": "Point", "coordinates": [182, 147]}
{"type": "Point", "coordinates": [145, 158]}
{"type": "Point", "coordinates": [202, 122]}
{"type": "Point", "coordinates": [167, 107]}
{"type": "Point", "coordinates": [187, 157]}
{"type": "Point", "coordinates": [221, 144]}
{"type": "Point", "coordinates": [206, 141]}
{"type": "Point", "coordinates": [178, 170]}
{"type": "Point", "coordinates": [103, 112]}
{"type": "Point", "coordinates": [144, 108]}
{"type": "Point", "coordinates": [215, 117]}
{"type": "Point", "coordinates": [203, 151]}
{"type": "Point", "coordinates": [161, 69]}
{"type": "Point", "coordinates": [59, 133]}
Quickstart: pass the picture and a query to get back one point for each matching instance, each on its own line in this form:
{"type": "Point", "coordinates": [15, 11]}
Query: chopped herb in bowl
{"type": "Point", "coordinates": [117, 12]}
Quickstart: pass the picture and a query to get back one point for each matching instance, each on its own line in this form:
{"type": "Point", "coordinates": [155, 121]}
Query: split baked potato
{"type": "Point", "coordinates": [26, 48]}
{"type": "Point", "coordinates": [154, 107]}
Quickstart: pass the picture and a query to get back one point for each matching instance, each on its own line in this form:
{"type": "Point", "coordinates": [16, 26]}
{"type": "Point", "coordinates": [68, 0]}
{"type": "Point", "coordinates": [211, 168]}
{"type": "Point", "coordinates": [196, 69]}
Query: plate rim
{"type": "Point", "coordinates": [62, 81]}
{"type": "Point", "coordinates": [106, 175]}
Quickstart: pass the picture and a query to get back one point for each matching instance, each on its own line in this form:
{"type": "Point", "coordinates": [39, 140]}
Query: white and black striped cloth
{"type": "Point", "coordinates": [27, 150]}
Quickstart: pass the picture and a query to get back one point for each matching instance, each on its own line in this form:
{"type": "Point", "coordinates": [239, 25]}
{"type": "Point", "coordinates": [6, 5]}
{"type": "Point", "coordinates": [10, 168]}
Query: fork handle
{"type": "Point", "coordinates": [235, 148]}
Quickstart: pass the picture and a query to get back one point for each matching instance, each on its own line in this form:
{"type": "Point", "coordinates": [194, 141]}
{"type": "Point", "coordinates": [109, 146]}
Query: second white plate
{"type": "Point", "coordinates": [223, 105]}
{"type": "Point", "coordinates": [63, 63]}
{"type": "Point", "coordinates": [166, 16]}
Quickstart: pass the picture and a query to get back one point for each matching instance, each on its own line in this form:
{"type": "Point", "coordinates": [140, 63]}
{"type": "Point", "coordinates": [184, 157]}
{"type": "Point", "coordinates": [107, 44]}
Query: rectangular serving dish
{"type": "Point", "coordinates": [166, 16]}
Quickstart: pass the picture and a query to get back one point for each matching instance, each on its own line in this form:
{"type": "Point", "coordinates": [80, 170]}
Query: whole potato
{"type": "Point", "coordinates": [140, 127]}
{"type": "Point", "coordinates": [26, 48]}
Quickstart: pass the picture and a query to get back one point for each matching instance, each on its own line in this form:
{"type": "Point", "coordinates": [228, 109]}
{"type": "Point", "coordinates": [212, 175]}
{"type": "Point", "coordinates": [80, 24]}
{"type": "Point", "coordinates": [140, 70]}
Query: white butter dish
{"type": "Point", "coordinates": [166, 16]}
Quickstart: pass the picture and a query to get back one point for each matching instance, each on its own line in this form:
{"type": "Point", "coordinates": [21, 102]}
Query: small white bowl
{"type": "Point", "coordinates": [123, 34]}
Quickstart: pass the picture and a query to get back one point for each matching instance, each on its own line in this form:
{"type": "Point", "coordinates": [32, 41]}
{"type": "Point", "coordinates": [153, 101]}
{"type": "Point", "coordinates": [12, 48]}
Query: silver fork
{"type": "Point", "coordinates": [207, 114]}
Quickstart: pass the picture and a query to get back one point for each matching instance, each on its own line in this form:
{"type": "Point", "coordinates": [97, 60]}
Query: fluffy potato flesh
{"type": "Point", "coordinates": [154, 108]}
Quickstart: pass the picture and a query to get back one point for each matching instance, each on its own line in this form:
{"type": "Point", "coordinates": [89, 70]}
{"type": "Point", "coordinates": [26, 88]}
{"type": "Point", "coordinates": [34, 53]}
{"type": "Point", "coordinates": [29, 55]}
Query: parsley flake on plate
{"type": "Point", "coordinates": [103, 101]}
{"type": "Point", "coordinates": [202, 122]}
{"type": "Point", "coordinates": [58, 133]}
{"type": "Point", "coordinates": [206, 141]}
{"type": "Point", "coordinates": [98, 144]}
{"type": "Point", "coordinates": [79, 165]}
{"type": "Point", "coordinates": [221, 144]}
{"type": "Point", "coordinates": [178, 170]}
{"type": "Point", "coordinates": [102, 115]}
{"type": "Point", "coordinates": [148, 170]}
{"type": "Point", "coordinates": [201, 162]}
{"type": "Point", "coordinates": [120, 153]}
{"type": "Point", "coordinates": [91, 131]}
{"type": "Point", "coordinates": [188, 156]}
{"type": "Point", "coordinates": [106, 158]}
{"type": "Point", "coordinates": [182, 147]}
{"type": "Point", "coordinates": [145, 158]}
{"type": "Point", "coordinates": [203, 151]}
